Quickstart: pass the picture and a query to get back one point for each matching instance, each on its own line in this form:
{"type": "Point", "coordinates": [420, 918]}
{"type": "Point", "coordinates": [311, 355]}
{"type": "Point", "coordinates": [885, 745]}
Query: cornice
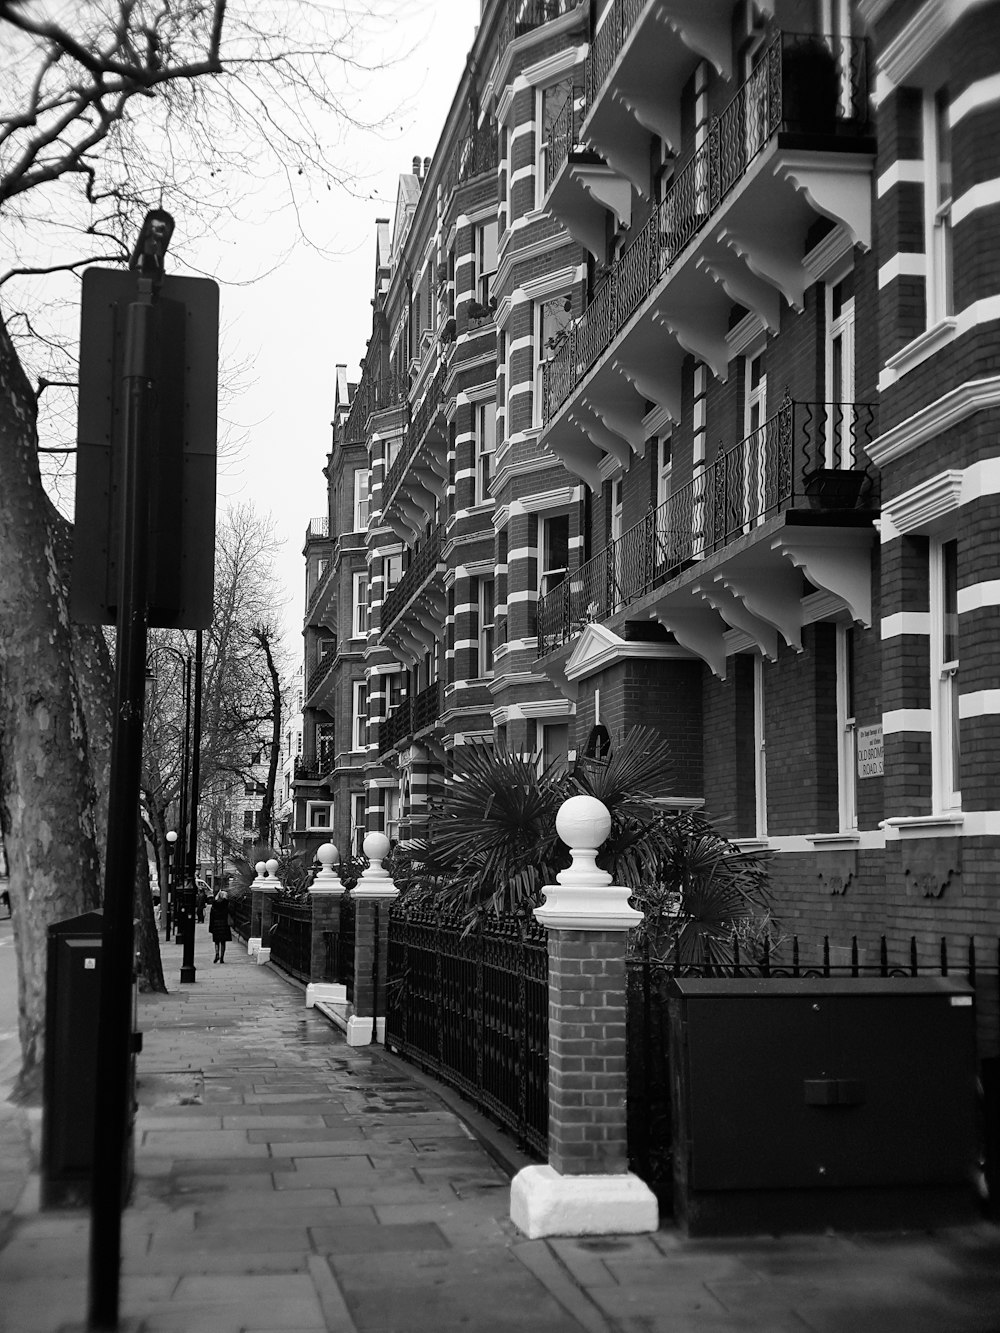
{"type": "Point", "coordinates": [949, 410]}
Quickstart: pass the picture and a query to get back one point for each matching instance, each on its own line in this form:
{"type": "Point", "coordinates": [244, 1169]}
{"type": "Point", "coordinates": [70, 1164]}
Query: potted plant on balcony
{"type": "Point", "coordinates": [833, 487]}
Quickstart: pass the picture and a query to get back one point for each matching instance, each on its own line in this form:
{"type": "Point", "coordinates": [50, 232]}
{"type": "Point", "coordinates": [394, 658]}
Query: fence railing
{"type": "Point", "coordinates": [804, 83]}
{"type": "Point", "coordinates": [521, 16]}
{"type": "Point", "coordinates": [806, 454]}
{"type": "Point", "coordinates": [290, 937]}
{"type": "Point", "coordinates": [239, 914]}
{"type": "Point", "coordinates": [564, 135]}
{"type": "Point", "coordinates": [472, 1009]}
{"type": "Point", "coordinates": [373, 394]}
{"type": "Point", "coordinates": [338, 948]}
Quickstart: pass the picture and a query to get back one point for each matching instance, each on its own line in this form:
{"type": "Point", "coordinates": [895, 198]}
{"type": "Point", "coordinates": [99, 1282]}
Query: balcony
{"type": "Point", "coordinates": [724, 552]}
{"type": "Point", "coordinates": [789, 148]}
{"type": "Point", "coordinates": [313, 770]}
{"type": "Point", "coordinates": [372, 395]}
{"type": "Point", "coordinates": [318, 529]}
{"type": "Point", "coordinates": [416, 482]}
{"type": "Point", "coordinates": [321, 603]}
{"type": "Point", "coordinates": [398, 726]}
{"type": "Point", "coordinates": [475, 154]}
{"type": "Point", "coordinates": [319, 683]}
{"type": "Point", "coordinates": [413, 613]}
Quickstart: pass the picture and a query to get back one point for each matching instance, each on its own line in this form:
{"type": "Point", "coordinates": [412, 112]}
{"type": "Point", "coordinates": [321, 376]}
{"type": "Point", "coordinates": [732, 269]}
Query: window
{"type": "Point", "coordinates": [361, 500]}
{"type": "Point", "coordinates": [391, 814]}
{"type": "Point", "coordinates": [395, 689]}
{"type": "Point", "coordinates": [326, 647]}
{"type": "Point", "coordinates": [325, 745]}
{"type": "Point", "coordinates": [359, 629]}
{"type": "Point", "coordinates": [552, 319]}
{"type": "Point", "coordinates": [392, 448]}
{"type": "Point", "coordinates": [249, 788]}
{"type": "Point", "coordinates": [486, 626]}
{"type": "Point", "coordinates": [847, 762]}
{"type": "Point", "coordinates": [664, 466]}
{"type": "Point", "coordinates": [486, 443]}
{"type": "Point", "coordinates": [944, 649]}
{"type": "Point", "coordinates": [839, 358]}
{"type": "Point", "coordinates": [358, 829]}
{"type": "Point", "coordinates": [937, 207]}
{"type": "Point", "coordinates": [549, 103]}
{"type": "Point", "coordinates": [359, 734]}
{"type": "Point", "coordinates": [249, 820]}
{"type": "Point", "coordinates": [553, 746]}
{"type": "Point", "coordinates": [319, 814]}
{"type": "Point", "coordinates": [760, 747]}
{"type": "Point", "coordinates": [393, 570]}
{"type": "Point", "coordinates": [553, 563]}
{"type": "Point", "coordinates": [486, 259]}
{"type": "Point", "coordinates": [755, 433]}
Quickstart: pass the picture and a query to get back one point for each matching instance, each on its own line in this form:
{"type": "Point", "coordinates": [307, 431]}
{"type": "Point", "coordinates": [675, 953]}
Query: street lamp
{"type": "Point", "coordinates": [168, 891]}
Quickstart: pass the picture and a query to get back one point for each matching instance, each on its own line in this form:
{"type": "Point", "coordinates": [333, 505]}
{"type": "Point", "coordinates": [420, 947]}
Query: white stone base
{"type": "Point", "coordinates": [329, 992]}
{"type": "Point", "coordinates": [359, 1031]}
{"type": "Point", "coordinates": [263, 956]}
{"type": "Point", "coordinates": [544, 1203]}
{"type": "Point", "coordinates": [253, 944]}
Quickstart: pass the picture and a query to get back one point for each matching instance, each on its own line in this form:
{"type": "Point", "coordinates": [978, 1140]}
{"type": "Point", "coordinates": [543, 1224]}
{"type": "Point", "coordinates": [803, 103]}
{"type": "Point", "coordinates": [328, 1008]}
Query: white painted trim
{"type": "Point", "coordinates": [920, 507]}
{"type": "Point", "coordinates": [949, 410]}
{"type": "Point", "coordinates": [905, 622]}
{"type": "Point", "coordinates": [984, 194]}
{"type": "Point", "coordinates": [979, 703]}
{"type": "Point", "coordinates": [836, 249]}
{"type": "Point", "coordinates": [905, 264]}
{"type": "Point", "coordinates": [982, 93]}
{"type": "Point", "coordinates": [904, 171]}
{"type": "Point", "coordinates": [979, 595]}
{"type": "Point", "coordinates": [925, 826]}
{"type": "Point", "coordinates": [984, 311]}
{"type": "Point", "coordinates": [900, 60]}
{"type": "Point", "coordinates": [906, 719]}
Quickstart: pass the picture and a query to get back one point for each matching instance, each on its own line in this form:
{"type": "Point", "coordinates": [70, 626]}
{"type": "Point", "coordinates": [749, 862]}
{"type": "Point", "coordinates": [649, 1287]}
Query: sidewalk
{"type": "Point", "coordinates": [288, 1182]}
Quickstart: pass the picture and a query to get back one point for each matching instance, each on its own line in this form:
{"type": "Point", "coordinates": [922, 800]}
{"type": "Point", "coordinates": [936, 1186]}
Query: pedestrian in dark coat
{"type": "Point", "coordinates": [218, 925]}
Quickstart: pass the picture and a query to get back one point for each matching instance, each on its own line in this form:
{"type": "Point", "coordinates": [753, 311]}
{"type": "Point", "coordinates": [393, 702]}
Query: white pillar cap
{"type": "Point", "coordinates": [375, 881]}
{"type": "Point", "coordinates": [326, 879]}
{"type": "Point", "coordinates": [584, 897]}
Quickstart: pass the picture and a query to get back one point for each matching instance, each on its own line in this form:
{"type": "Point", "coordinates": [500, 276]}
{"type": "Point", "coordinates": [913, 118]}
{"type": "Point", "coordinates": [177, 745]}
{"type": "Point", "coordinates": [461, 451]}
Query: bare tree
{"type": "Point", "coordinates": [111, 108]}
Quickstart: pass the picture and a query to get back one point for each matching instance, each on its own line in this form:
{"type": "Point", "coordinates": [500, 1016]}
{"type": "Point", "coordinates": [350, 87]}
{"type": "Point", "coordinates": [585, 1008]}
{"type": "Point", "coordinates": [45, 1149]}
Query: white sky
{"type": "Point", "coordinates": [314, 312]}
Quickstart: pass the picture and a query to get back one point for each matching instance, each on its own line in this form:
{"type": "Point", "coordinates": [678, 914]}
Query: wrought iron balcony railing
{"type": "Point", "coordinates": [419, 568]}
{"type": "Point", "coordinates": [415, 430]}
{"type": "Point", "coordinates": [564, 134]}
{"type": "Point", "coordinates": [427, 706]}
{"type": "Point", "coordinates": [312, 769]}
{"type": "Point", "coordinates": [316, 675]}
{"type": "Point", "coordinates": [318, 529]}
{"type": "Point", "coordinates": [608, 42]}
{"type": "Point", "coordinates": [806, 455]}
{"type": "Point", "coordinates": [396, 727]}
{"type": "Point", "coordinates": [521, 16]}
{"type": "Point", "coordinates": [372, 395]}
{"type": "Point", "coordinates": [802, 83]}
{"type": "Point", "coordinates": [474, 155]}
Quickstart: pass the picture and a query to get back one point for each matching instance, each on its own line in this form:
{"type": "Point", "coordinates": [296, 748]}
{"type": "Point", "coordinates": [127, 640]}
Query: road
{"type": "Point", "coordinates": [10, 1046]}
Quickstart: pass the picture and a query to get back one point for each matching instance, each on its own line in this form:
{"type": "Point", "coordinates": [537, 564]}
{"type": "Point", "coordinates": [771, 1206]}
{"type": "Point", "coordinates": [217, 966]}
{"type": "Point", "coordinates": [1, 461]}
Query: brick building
{"type": "Point", "coordinates": [680, 408]}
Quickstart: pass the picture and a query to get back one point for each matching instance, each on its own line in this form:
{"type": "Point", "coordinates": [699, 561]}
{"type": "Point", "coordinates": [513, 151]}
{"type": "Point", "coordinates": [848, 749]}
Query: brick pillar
{"type": "Point", "coordinates": [372, 896]}
{"type": "Point", "coordinates": [264, 890]}
{"type": "Point", "coordinates": [586, 1188]}
{"type": "Point", "coordinates": [325, 897]}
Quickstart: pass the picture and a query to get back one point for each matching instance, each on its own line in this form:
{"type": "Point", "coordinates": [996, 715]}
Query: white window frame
{"type": "Point", "coordinates": [543, 729]}
{"type": "Point", "coordinates": [311, 807]}
{"type": "Point", "coordinates": [540, 351]}
{"type": "Point", "coordinates": [326, 740]}
{"type": "Point", "coordinates": [484, 255]}
{"type": "Point", "coordinates": [359, 715]}
{"type": "Point", "coordinates": [358, 822]}
{"type": "Point", "coordinates": [361, 493]}
{"type": "Point", "coordinates": [486, 445]}
{"type": "Point", "coordinates": [759, 748]}
{"type": "Point", "coordinates": [359, 602]}
{"type": "Point", "coordinates": [755, 409]}
{"type": "Point", "coordinates": [486, 600]}
{"type": "Point", "coordinates": [839, 332]}
{"type": "Point", "coordinates": [392, 570]}
{"type": "Point", "coordinates": [392, 801]}
{"type": "Point", "coordinates": [847, 745]}
{"type": "Point", "coordinates": [390, 452]}
{"type": "Point", "coordinates": [547, 576]}
{"type": "Point", "coordinates": [946, 790]}
{"type": "Point", "coordinates": [664, 467]}
{"type": "Point", "coordinates": [937, 214]}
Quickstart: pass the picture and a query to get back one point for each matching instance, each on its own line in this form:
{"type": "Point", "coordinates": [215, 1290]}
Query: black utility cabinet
{"type": "Point", "coordinates": [72, 994]}
{"type": "Point", "coordinates": [807, 1103]}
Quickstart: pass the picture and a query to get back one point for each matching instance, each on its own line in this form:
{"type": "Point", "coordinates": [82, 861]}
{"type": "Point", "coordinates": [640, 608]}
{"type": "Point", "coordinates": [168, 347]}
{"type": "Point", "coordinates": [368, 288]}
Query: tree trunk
{"type": "Point", "coordinates": [46, 793]}
{"type": "Point", "coordinates": [147, 940]}
{"type": "Point", "coordinates": [266, 816]}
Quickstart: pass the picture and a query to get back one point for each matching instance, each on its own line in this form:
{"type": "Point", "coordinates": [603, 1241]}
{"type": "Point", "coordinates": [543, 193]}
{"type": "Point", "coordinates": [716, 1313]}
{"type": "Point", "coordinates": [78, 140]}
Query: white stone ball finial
{"type": "Point", "coordinates": [326, 879]}
{"type": "Point", "coordinates": [260, 867]}
{"type": "Point", "coordinates": [376, 848]}
{"type": "Point", "coordinates": [583, 823]}
{"type": "Point", "coordinates": [584, 897]}
{"type": "Point", "coordinates": [271, 867]}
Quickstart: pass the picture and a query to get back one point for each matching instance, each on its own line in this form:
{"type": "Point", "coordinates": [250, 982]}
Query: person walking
{"type": "Point", "coordinates": [218, 925]}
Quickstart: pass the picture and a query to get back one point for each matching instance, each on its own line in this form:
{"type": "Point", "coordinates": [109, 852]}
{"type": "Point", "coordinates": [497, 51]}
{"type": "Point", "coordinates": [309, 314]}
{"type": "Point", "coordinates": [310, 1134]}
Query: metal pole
{"type": "Point", "coordinates": [187, 966]}
{"type": "Point", "coordinates": [180, 860]}
{"type": "Point", "coordinates": [114, 1036]}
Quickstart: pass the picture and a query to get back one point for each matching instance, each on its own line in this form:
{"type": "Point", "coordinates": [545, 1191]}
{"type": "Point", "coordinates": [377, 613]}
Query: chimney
{"type": "Point", "coordinates": [427, 167]}
{"type": "Point", "coordinates": [416, 167]}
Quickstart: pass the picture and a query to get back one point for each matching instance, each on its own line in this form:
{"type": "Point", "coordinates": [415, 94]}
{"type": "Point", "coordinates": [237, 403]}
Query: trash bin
{"type": "Point", "coordinates": [807, 1103]}
{"type": "Point", "coordinates": [72, 1002]}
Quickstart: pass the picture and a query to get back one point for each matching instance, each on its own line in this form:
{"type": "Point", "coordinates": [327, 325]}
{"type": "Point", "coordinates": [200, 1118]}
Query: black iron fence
{"type": "Point", "coordinates": [338, 948]}
{"type": "Point", "coordinates": [290, 937]}
{"type": "Point", "coordinates": [650, 1122]}
{"type": "Point", "coordinates": [809, 454]}
{"type": "Point", "coordinates": [804, 83]}
{"type": "Point", "coordinates": [239, 914]}
{"type": "Point", "coordinates": [472, 1009]}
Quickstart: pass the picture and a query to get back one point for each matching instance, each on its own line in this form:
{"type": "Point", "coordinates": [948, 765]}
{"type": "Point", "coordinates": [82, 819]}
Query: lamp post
{"type": "Point", "coordinates": [168, 892]}
{"type": "Point", "coordinates": [189, 892]}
